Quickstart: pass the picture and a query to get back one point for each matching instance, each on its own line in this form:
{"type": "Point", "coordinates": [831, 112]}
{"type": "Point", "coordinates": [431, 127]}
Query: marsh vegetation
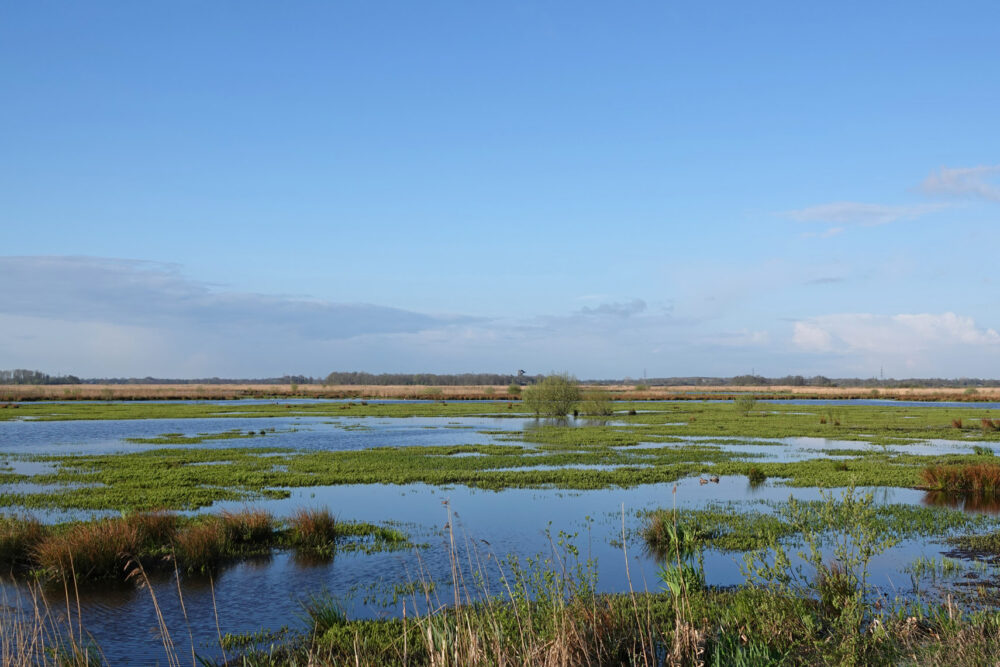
{"type": "Point", "coordinates": [750, 480]}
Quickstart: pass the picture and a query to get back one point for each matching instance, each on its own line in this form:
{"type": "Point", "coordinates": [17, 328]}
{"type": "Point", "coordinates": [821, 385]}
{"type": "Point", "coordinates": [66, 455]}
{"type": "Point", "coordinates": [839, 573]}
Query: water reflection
{"type": "Point", "coordinates": [984, 503]}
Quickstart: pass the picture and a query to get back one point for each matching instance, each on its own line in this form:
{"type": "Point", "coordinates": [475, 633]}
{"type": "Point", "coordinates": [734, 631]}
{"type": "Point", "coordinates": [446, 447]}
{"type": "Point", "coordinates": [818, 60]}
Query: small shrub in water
{"type": "Point", "coordinates": [756, 476]}
{"type": "Point", "coordinates": [979, 450]}
{"type": "Point", "coordinates": [554, 396]}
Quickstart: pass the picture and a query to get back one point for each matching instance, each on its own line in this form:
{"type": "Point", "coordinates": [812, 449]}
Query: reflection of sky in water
{"type": "Point", "coordinates": [801, 448]}
{"type": "Point", "coordinates": [311, 433]}
{"type": "Point", "coordinates": [489, 523]}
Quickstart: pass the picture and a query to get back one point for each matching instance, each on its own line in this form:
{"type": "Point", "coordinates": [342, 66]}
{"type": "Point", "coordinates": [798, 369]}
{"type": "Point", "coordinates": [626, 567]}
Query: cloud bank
{"type": "Point", "coordinates": [890, 334]}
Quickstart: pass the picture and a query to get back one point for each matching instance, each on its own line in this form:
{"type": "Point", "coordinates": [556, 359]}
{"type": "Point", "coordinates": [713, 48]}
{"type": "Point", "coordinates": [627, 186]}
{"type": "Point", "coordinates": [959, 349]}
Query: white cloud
{"type": "Point", "coordinates": [857, 213]}
{"type": "Point", "coordinates": [812, 337]}
{"type": "Point", "coordinates": [891, 335]}
{"type": "Point", "coordinates": [964, 182]}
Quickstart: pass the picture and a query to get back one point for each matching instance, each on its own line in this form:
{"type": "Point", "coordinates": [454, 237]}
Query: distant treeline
{"type": "Point", "coordinates": [429, 379]}
{"type": "Point", "coordinates": [814, 381]}
{"type": "Point", "coordinates": [23, 376]}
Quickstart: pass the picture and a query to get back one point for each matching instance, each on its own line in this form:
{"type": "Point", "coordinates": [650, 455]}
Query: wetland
{"type": "Point", "coordinates": [475, 511]}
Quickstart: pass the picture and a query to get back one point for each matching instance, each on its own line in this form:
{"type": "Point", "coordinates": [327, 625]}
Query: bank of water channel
{"type": "Point", "coordinates": [268, 593]}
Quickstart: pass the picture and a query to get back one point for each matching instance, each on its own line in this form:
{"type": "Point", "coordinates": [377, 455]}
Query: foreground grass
{"type": "Point", "coordinates": [550, 613]}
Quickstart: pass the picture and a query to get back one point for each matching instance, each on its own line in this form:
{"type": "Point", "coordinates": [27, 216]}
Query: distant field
{"type": "Point", "coordinates": [10, 393]}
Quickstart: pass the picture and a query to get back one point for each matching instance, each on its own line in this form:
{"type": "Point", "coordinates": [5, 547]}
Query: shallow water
{"type": "Point", "coordinates": [268, 593]}
{"type": "Point", "coordinates": [307, 433]}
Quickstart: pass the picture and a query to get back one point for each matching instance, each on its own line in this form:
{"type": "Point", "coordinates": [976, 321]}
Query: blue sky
{"type": "Point", "coordinates": [246, 189]}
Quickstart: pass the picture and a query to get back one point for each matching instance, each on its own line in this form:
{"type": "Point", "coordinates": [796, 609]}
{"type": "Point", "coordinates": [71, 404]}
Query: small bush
{"type": "Point", "coordinates": [756, 476]}
{"type": "Point", "coordinates": [514, 389]}
{"type": "Point", "coordinates": [956, 423]}
{"type": "Point", "coordinates": [554, 396]}
{"type": "Point", "coordinates": [988, 425]}
{"type": "Point", "coordinates": [979, 450]}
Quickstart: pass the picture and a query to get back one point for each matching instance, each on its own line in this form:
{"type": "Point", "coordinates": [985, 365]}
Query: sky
{"type": "Point", "coordinates": [252, 189]}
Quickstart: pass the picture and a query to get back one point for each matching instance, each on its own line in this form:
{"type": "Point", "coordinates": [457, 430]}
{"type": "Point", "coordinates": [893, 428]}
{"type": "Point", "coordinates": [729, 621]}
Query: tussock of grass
{"type": "Point", "coordinates": [110, 548]}
{"type": "Point", "coordinates": [312, 528]}
{"type": "Point", "coordinates": [201, 547]}
{"type": "Point", "coordinates": [249, 527]}
{"type": "Point", "coordinates": [19, 537]}
{"type": "Point", "coordinates": [970, 478]}
{"type": "Point", "coordinates": [94, 550]}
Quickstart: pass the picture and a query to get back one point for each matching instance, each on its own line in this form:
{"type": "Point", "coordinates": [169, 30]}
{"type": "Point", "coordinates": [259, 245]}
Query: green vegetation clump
{"type": "Point", "coordinates": [553, 396]}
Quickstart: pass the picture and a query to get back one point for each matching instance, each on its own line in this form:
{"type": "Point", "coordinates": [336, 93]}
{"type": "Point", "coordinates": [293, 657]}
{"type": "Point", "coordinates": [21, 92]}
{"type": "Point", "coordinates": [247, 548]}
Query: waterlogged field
{"type": "Point", "coordinates": [223, 534]}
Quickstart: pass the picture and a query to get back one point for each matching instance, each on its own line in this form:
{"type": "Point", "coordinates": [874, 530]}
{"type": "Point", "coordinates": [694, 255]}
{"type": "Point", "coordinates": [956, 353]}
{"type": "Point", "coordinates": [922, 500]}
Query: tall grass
{"type": "Point", "coordinates": [110, 548]}
{"type": "Point", "coordinates": [19, 537]}
{"type": "Point", "coordinates": [975, 478]}
{"type": "Point", "coordinates": [94, 550]}
{"type": "Point", "coordinates": [312, 529]}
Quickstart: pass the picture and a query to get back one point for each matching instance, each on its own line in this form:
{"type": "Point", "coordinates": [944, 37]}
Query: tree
{"type": "Point", "coordinates": [553, 396]}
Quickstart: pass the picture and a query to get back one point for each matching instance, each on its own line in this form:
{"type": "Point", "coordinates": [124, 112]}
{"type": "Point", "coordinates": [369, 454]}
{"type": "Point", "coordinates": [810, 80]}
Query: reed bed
{"type": "Point", "coordinates": [971, 478]}
{"type": "Point", "coordinates": [108, 549]}
{"type": "Point", "coordinates": [11, 394]}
